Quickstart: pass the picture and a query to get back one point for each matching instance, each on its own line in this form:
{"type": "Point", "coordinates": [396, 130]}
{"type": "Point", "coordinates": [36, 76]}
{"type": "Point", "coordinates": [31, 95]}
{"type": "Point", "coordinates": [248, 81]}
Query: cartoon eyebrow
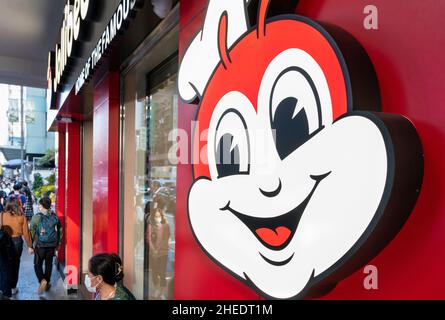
{"type": "Point", "coordinates": [222, 40]}
{"type": "Point", "coordinates": [223, 49]}
{"type": "Point", "coordinates": [262, 15]}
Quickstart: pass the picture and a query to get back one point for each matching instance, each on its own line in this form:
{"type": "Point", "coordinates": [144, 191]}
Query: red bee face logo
{"type": "Point", "coordinates": [297, 188]}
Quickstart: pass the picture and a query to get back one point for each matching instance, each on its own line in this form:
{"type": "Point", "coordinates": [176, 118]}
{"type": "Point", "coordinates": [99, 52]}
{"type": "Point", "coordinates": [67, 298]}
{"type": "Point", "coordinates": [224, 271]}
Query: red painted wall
{"type": "Point", "coordinates": [60, 200]}
{"type": "Point", "coordinates": [407, 52]}
{"type": "Point", "coordinates": [73, 192]}
{"type": "Point", "coordinates": [106, 165]}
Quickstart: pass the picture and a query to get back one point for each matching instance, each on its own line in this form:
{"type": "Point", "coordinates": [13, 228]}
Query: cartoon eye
{"type": "Point", "coordinates": [232, 145]}
{"type": "Point", "coordinates": [295, 110]}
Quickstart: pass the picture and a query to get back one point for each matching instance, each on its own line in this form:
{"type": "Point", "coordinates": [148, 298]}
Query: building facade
{"type": "Point", "coordinates": [120, 111]}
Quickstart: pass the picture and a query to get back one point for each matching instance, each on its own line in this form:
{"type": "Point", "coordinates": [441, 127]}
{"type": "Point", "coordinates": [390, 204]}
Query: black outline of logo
{"type": "Point", "coordinates": [404, 177]}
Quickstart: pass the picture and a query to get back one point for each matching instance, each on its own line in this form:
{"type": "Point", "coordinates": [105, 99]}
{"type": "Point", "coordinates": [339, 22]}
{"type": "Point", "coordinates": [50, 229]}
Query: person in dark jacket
{"type": "Point", "coordinates": [29, 207]}
{"type": "Point", "coordinates": [6, 257]}
{"type": "Point", "coordinates": [3, 198]}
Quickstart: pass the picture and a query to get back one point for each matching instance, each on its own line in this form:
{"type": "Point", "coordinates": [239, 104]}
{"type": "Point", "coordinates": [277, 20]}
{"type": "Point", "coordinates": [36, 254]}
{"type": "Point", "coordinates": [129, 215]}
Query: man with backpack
{"type": "Point", "coordinates": [16, 194]}
{"type": "Point", "coordinates": [46, 232]}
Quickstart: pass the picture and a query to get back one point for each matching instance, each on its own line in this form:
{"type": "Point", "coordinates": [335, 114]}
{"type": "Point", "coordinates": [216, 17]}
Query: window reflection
{"type": "Point", "coordinates": [149, 178]}
{"type": "Point", "coordinates": [156, 187]}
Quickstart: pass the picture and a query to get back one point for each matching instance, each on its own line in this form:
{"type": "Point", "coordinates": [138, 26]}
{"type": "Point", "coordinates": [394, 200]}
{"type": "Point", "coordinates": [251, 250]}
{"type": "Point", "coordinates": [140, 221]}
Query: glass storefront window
{"type": "Point", "coordinates": [151, 114]}
{"type": "Point", "coordinates": [160, 224]}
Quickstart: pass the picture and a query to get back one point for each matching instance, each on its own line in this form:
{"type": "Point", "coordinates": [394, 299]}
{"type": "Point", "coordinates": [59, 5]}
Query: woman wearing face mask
{"type": "Point", "coordinates": [158, 238]}
{"type": "Point", "coordinates": [105, 271]}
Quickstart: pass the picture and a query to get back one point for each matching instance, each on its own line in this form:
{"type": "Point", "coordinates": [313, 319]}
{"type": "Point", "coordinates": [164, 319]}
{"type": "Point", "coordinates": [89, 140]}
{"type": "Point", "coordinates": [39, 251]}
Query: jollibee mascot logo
{"type": "Point", "coordinates": [341, 177]}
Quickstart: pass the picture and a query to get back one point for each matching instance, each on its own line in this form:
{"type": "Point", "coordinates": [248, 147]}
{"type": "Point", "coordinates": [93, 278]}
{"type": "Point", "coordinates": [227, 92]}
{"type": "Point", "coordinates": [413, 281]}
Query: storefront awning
{"type": "Point", "coordinates": [14, 164]}
{"type": "Point", "coordinates": [27, 31]}
{"type": "Point", "coordinates": [10, 152]}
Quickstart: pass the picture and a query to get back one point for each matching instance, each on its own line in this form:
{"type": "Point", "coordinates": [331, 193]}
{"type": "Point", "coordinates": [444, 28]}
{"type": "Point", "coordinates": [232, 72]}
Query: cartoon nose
{"type": "Point", "coordinates": [274, 193]}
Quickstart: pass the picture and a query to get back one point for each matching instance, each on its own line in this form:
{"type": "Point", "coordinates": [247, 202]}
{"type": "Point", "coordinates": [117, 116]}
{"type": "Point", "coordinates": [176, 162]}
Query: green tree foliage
{"type": "Point", "coordinates": [51, 179]}
{"type": "Point", "coordinates": [48, 160]}
{"type": "Point", "coordinates": [38, 183]}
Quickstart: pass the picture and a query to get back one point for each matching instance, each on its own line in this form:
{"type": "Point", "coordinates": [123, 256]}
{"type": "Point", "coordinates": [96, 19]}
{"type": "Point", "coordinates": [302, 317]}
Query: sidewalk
{"type": "Point", "coordinates": [28, 282]}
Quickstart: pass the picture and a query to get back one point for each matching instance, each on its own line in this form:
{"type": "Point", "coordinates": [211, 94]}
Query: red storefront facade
{"type": "Point", "coordinates": [406, 52]}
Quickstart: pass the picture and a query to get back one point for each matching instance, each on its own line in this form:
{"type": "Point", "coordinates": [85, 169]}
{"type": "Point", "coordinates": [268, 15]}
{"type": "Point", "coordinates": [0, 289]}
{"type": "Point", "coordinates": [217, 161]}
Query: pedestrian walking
{"type": "Point", "coordinates": [5, 262]}
{"type": "Point", "coordinates": [17, 194]}
{"type": "Point", "coordinates": [3, 198]}
{"type": "Point", "coordinates": [29, 207]}
{"type": "Point", "coordinates": [46, 232]}
{"type": "Point", "coordinates": [105, 273]}
{"type": "Point", "coordinates": [15, 225]}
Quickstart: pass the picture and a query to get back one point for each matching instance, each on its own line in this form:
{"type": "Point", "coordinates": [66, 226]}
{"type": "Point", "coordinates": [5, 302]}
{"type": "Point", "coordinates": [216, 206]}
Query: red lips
{"type": "Point", "coordinates": [275, 237]}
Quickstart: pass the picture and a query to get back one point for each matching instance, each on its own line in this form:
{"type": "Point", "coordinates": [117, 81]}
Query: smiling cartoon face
{"type": "Point", "coordinates": [294, 181]}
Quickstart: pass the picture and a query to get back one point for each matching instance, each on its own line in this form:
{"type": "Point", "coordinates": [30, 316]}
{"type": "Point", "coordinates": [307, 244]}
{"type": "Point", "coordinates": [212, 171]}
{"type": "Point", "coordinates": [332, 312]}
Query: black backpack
{"type": "Point", "coordinates": [47, 234]}
{"type": "Point", "coordinates": [6, 244]}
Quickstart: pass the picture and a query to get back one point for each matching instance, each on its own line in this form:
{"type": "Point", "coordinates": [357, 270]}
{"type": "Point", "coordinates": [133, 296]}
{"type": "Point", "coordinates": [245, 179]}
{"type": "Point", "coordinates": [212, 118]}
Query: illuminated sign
{"type": "Point", "coordinates": [75, 26]}
{"type": "Point", "coordinates": [70, 36]}
{"type": "Point", "coordinates": [303, 181]}
{"type": "Point", "coordinates": [120, 16]}
{"type": "Point", "coordinates": [51, 94]}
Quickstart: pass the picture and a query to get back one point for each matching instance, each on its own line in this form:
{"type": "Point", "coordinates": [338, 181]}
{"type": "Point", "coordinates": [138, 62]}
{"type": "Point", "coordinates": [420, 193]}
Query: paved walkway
{"type": "Point", "coordinates": [28, 283]}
